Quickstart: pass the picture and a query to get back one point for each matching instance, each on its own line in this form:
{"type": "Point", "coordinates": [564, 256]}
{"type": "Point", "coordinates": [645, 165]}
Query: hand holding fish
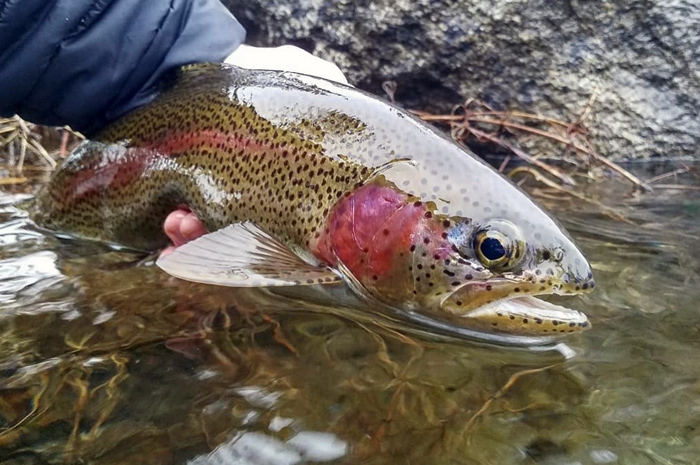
{"type": "Point", "coordinates": [285, 58]}
{"type": "Point", "coordinates": [182, 225]}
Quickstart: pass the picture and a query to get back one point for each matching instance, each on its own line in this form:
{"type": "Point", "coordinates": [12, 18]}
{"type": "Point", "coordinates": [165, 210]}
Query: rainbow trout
{"type": "Point", "coordinates": [305, 181]}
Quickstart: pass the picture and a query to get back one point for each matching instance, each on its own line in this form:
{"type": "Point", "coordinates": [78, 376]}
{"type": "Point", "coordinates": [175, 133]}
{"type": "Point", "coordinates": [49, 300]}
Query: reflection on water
{"type": "Point", "coordinates": [258, 449]}
{"type": "Point", "coordinates": [24, 278]}
{"type": "Point", "coordinates": [106, 360]}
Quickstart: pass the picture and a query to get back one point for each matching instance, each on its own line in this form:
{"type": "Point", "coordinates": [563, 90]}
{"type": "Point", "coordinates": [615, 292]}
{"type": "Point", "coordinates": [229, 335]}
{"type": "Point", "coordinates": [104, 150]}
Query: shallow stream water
{"type": "Point", "coordinates": [104, 359]}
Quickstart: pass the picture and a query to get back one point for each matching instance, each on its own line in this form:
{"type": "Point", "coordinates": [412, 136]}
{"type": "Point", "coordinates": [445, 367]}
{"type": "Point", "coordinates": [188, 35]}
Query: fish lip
{"type": "Point", "coordinates": [521, 304]}
{"type": "Point", "coordinates": [511, 312]}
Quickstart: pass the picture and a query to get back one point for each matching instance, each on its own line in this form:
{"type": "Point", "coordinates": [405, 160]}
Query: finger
{"type": "Point", "coordinates": [172, 226]}
{"type": "Point", "coordinates": [191, 227]}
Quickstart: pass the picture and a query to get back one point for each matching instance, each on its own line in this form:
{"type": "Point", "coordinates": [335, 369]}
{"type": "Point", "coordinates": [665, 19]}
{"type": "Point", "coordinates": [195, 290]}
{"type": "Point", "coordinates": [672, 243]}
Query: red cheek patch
{"type": "Point", "coordinates": [394, 239]}
{"type": "Point", "coordinates": [368, 229]}
{"type": "Point", "coordinates": [371, 206]}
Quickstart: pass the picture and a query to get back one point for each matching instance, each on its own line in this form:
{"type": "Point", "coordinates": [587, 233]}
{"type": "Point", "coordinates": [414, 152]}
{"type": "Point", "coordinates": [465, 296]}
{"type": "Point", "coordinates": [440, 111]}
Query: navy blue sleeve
{"type": "Point", "coordinates": [86, 62]}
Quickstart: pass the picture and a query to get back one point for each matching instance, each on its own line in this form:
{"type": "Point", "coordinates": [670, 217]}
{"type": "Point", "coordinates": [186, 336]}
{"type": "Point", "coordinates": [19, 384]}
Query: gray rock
{"type": "Point", "coordinates": [533, 55]}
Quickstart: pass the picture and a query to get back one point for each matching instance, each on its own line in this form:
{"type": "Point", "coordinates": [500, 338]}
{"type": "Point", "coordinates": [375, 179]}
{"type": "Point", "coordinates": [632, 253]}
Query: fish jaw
{"type": "Point", "coordinates": [509, 305]}
{"type": "Point", "coordinates": [526, 316]}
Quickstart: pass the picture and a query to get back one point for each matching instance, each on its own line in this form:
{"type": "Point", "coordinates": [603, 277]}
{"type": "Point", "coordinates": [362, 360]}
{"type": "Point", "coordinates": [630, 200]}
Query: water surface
{"type": "Point", "coordinates": [104, 359]}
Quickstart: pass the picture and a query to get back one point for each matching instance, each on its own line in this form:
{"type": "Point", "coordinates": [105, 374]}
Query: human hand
{"type": "Point", "coordinates": [285, 58]}
{"type": "Point", "coordinates": [181, 226]}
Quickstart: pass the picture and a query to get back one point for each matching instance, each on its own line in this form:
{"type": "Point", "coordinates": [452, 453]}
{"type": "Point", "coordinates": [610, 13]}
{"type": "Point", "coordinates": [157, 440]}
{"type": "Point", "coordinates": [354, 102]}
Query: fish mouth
{"type": "Point", "coordinates": [528, 315]}
{"type": "Point", "coordinates": [523, 315]}
{"type": "Point", "coordinates": [511, 305]}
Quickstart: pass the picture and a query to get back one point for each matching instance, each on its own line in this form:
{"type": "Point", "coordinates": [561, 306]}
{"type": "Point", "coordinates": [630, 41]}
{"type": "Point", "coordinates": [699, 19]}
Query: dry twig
{"type": "Point", "coordinates": [464, 117]}
{"type": "Point", "coordinates": [17, 135]}
{"type": "Point", "coordinates": [501, 392]}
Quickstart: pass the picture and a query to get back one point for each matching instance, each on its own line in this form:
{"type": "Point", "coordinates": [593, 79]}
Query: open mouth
{"type": "Point", "coordinates": [528, 315]}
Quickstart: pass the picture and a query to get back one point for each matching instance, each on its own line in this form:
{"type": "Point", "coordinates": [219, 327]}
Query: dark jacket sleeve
{"type": "Point", "coordinates": [86, 62]}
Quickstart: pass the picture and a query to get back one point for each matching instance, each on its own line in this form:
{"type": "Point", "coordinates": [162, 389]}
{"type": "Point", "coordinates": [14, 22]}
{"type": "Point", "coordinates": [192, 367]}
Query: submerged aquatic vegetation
{"type": "Point", "coordinates": [105, 360]}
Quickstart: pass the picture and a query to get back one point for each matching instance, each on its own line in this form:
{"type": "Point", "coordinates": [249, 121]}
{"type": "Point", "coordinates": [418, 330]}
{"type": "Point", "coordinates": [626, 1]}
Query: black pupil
{"type": "Point", "coordinates": [492, 249]}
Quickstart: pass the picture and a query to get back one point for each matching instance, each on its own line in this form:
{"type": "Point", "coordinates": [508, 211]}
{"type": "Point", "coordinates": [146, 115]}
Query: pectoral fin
{"type": "Point", "coordinates": [242, 255]}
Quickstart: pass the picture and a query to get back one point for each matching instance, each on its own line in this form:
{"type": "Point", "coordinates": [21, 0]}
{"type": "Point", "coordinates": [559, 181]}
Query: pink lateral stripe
{"type": "Point", "coordinates": [137, 160]}
{"type": "Point", "coordinates": [181, 142]}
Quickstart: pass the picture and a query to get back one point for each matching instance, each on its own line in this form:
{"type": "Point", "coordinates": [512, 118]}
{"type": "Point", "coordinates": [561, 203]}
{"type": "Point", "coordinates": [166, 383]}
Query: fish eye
{"type": "Point", "coordinates": [490, 248]}
{"type": "Point", "coordinates": [499, 246]}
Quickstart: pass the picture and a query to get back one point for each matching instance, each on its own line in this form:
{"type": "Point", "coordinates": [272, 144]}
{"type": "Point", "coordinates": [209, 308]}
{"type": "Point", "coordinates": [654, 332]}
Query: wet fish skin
{"type": "Point", "coordinates": [339, 177]}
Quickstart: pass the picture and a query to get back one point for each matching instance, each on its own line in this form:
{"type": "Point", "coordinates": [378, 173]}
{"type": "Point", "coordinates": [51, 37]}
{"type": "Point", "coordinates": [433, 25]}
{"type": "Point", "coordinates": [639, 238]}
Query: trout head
{"type": "Point", "coordinates": [475, 270]}
{"type": "Point", "coordinates": [486, 274]}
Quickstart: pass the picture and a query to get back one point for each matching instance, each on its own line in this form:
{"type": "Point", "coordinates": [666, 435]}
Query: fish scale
{"type": "Point", "coordinates": [315, 165]}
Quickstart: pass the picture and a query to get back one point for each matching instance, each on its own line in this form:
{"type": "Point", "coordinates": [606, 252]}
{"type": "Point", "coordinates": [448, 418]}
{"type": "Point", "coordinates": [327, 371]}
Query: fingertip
{"type": "Point", "coordinates": [172, 225]}
{"type": "Point", "coordinates": [172, 222]}
{"type": "Point", "coordinates": [191, 227]}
